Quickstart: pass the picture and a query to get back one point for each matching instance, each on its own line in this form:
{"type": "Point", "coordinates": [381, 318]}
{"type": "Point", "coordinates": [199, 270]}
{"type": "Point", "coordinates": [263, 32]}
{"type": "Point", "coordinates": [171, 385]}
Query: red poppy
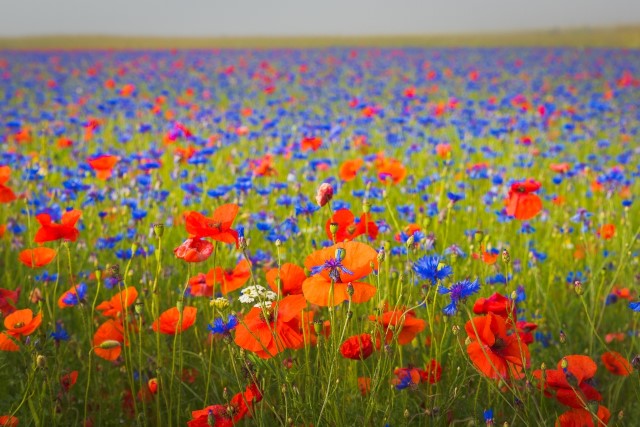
{"type": "Point", "coordinates": [20, 323]}
{"type": "Point", "coordinates": [8, 421]}
{"type": "Point", "coordinates": [218, 227]}
{"type": "Point", "coordinates": [67, 381]}
{"type": "Point", "coordinates": [6, 295]}
{"type": "Point", "coordinates": [229, 280]}
{"type": "Point", "coordinates": [571, 381]}
{"type": "Point", "coordinates": [579, 417]}
{"type": "Point", "coordinates": [103, 165]}
{"type": "Point", "coordinates": [271, 330]}
{"type": "Point", "coordinates": [607, 231]}
{"type": "Point", "coordinates": [289, 277]}
{"type": "Point", "coordinates": [117, 305]}
{"type": "Point", "coordinates": [494, 353]}
{"type": "Point", "coordinates": [6, 194]}
{"type": "Point", "coordinates": [524, 329]}
{"type": "Point", "coordinates": [616, 363]}
{"type": "Point", "coordinates": [239, 406]}
{"type": "Point", "coordinates": [432, 372]}
{"type": "Point", "coordinates": [560, 167]}
{"type": "Point", "coordinates": [364, 385]}
{"type": "Point", "coordinates": [263, 166]}
{"type": "Point", "coordinates": [443, 150]}
{"type": "Point", "coordinates": [357, 347]}
{"type": "Point", "coordinates": [50, 231]}
{"type": "Point", "coordinates": [404, 324]}
{"type": "Point", "coordinates": [497, 304]}
{"type": "Point", "coordinates": [167, 323]}
{"type": "Point", "coordinates": [194, 249]}
{"type": "Point", "coordinates": [489, 258]}
{"type": "Point", "coordinates": [522, 203]}
{"type": "Point", "coordinates": [407, 377]}
{"type": "Point", "coordinates": [409, 231]}
{"type": "Point", "coordinates": [108, 340]}
{"type": "Point", "coordinates": [3, 229]}
{"type": "Point", "coordinates": [343, 264]}
{"type": "Point", "coordinates": [38, 257]}
{"type": "Point", "coordinates": [311, 143]}
{"type": "Point", "coordinates": [349, 169]}
{"type": "Point", "coordinates": [390, 170]}
{"type": "Point", "coordinates": [348, 229]}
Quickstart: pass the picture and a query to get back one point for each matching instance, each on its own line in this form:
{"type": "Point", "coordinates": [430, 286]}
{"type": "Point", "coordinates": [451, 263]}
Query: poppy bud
{"type": "Point", "coordinates": [578, 287]}
{"type": "Point", "coordinates": [506, 258]}
{"type": "Point", "coordinates": [158, 229]}
{"type": "Point", "coordinates": [324, 194]}
{"type": "Point", "coordinates": [563, 337]}
{"type": "Point", "coordinates": [406, 413]}
{"type": "Point", "coordinates": [340, 254]}
{"type": "Point", "coordinates": [98, 274]}
{"type": "Point", "coordinates": [225, 393]}
{"type": "Point", "coordinates": [381, 255]}
{"type": "Point", "coordinates": [278, 243]}
{"type": "Point", "coordinates": [153, 385]}
{"type": "Point", "coordinates": [138, 308]}
{"type": "Point", "coordinates": [41, 361]}
{"type": "Point", "coordinates": [366, 206]}
{"type": "Point", "coordinates": [109, 344]}
{"type": "Point", "coordinates": [455, 329]}
{"type": "Point", "coordinates": [350, 289]}
{"type": "Point", "coordinates": [211, 419]}
{"type": "Point", "coordinates": [317, 326]}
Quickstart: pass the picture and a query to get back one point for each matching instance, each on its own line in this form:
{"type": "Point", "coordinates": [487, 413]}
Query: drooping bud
{"type": "Point", "coordinates": [109, 344]}
{"type": "Point", "coordinates": [324, 194]}
{"type": "Point", "coordinates": [577, 286]}
{"type": "Point", "coordinates": [278, 243]}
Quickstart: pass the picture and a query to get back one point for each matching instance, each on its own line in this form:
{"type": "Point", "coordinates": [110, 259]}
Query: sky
{"type": "Point", "coordinates": [216, 18]}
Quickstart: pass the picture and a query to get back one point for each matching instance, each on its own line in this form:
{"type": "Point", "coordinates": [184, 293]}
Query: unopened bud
{"type": "Point", "coordinates": [278, 243]}
{"type": "Point", "coordinates": [381, 255]}
{"type": "Point", "coordinates": [564, 363]}
{"type": "Point", "coordinates": [138, 308]}
{"type": "Point", "coordinates": [506, 258]}
{"type": "Point", "coordinates": [41, 361]}
{"type": "Point", "coordinates": [340, 254]}
{"type": "Point", "coordinates": [109, 344]}
{"type": "Point", "coordinates": [158, 229]}
{"type": "Point", "coordinates": [324, 194]}
{"type": "Point", "coordinates": [366, 206]}
{"type": "Point", "coordinates": [350, 289]}
{"type": "Point", "coordinates": [134, 248]}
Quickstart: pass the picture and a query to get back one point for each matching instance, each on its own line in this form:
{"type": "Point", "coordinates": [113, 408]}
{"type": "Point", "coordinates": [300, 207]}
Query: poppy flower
{"type": "Point", "coordinates": [229, 280]}
{"type": "Point", "coordinates": [524, 329]}
{"type": "Point", "coordinates": [6, 194]}
{"type": "Point", "coordinates": [607, 231]}
{"type": "Point", "coordinates": [6, 295]}
{"type": "Point", "coordinates": [522, 203]}
{"type": "Point", "coordinates": [103, 165]}
{"type": "Point", "coordinates": [497, 304]}
{"type": "Point", "coordinates": [443, 150]}
{"type": "Point", "coordinates": [108, 340]}
{"type": "Point", "coordinates": [406, 378]}
{"type": "Point", "coordinates": [570, 383]}
{"type": "Point", "coordinates": [270, 330]}
{"type": "Point", "coordinates": [579, 417]}
{"type": "Point", "coordinates": [348, 229]}
{"type": "Point", "coordinates": [357, 347]}
{"type": "Point", "coordinates": [404, 324]}
{"type": "Point", "coordinates": [38, 257]}
{"type": "Point", "coordinates": [67, 381]}
{"type": "Point", "coordinates": [494, 353]}
{"type": "Point", "coordinates": [118, 304]}
{"type": "Point", "coordinates": [239, 406]}
{"type": "Point", "coordinates": [407, 232]}
{"type": "Point", "coordinates": [390, 171]}
{"type": "Point", "coordinates": [432, 372]}
{"type": "Point", "coordinates": [560, 167]}
{"type": "Point", "coordinates": [616, 363]}
{"type": "Point", "coordinates": [364, 385]}
{"type": "Point", "coordinates": [289, 277]}
{"type": "Point", "coordinates": [218, 227]}
{"type": "Point", "coordinates": [263, 166]}
{"type": "Point", "coordinates": [194, 249]}
{"type": "Point", "coordinates": [8, 421]}
{"type": "Point", "coordinates": [17, 324]}
{"type": "Point", "coordinates": [349, 169]}
{"type": "Point", "coordinates": [343, 264]}
{"type": "Point", "coordinates": [167, 323]}
{"type": "Point", "coordinates": [50, 231]}
{"type": "Point", "coordinates": [311, 143]}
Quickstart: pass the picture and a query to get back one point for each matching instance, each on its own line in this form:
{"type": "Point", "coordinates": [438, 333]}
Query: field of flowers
{"type": "Point", "coordinates": [326, 237]}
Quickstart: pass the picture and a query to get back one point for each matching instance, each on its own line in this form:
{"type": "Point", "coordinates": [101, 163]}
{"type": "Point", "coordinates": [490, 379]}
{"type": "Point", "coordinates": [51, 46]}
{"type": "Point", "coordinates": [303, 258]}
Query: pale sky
{"type": "Point", "coordinates": [305, 17]}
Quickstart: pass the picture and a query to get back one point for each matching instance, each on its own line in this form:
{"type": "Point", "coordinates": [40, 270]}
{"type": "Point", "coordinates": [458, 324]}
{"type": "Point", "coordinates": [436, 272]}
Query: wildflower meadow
{"type": "Point", "coordinates": [320, 237]}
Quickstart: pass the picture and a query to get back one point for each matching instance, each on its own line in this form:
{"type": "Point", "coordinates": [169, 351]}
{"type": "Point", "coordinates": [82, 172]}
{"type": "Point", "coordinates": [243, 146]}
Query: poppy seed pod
{"type": "Point", "coordinates": [158, 229]}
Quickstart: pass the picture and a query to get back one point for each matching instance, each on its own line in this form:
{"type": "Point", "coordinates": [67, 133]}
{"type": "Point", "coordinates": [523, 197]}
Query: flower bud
{"type": "Point", "coordinates": [340, 254]}
{"type": "Point", "coordinates": [138, 308]}
{"type": "Point", "coordinates": [350, 289]}
{"type": "Point", "coordinates": [324, 194]}
{"type": "Point", "coordinates": [278, 243]}
{"type": "Point", "coordinates": [366, 206]}
{"type": "Point", "coordinates": [158, 229]}
{"type": "Point", "coordinates": [564, 363]}
{"type": "Point", "coordinates": [506, 258]}
{"type": "Point", "coordinates": [41, 361]}
{"type": "Point", "coordinates": [180, 305]}
{"type": "Point", "coordinates": [134, 248]}
{"type": "Point", "coordinates": [381, 255]}
{"type": "Point", "coordinates": [333, 228]}
{"type": "Point", "coordinates": [109, 344]}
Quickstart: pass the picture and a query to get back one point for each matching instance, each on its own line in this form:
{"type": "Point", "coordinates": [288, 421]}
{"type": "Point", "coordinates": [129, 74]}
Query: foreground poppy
{"type": "Point", "coordinates": [6, 194]}
{"type": "Point", "coordinates": [495, 354]}
{"type": "Point", "coordinates": [579, 417]}
{"type": "Point", "coordinates": [228, 415]}
{"type": "Point", "coordinates": [334, 268]}
{"type": "Point", "coordinates": [20, 323]}
{"type": "Point", "coordinates": [194, 250]}
{"type": "Point", "coordinates": [50, 231]}
{"type": "Point", "coordinates": [349, 169]}
{"type": "Point", "coordinates": [497, 304]}
{"type": "Point", "coordinates": [108, 340]}
{"type": "Point", "coordinates": [570, 383]}
{"type": "Point", "coordinates": [271, 330]}
{"type": "Point", "coordinates": [289, 278]}
{"type": "Point", "coordinates": [103, 165]}
{"type": "Point", "coordinates": [616, 363]}
{"type": "Point", "coordinates": [217, 227]}
{"type": "Point", "coordinates": [118, 304]}
{"type": "Point", "coordinates": [347, 228]}
{"type": "Point", "coordinates": [404, 324]}
{"type": "Point", "coordinates": [522, 203]}
{"type": "Point", "coordinates": [167, 323]}
{"type": "Point", "coordinates": [8, 421]}
{"type": "Point", "coordinates": [229, 280]}
{"type": "Point", "coordinates": [38, 257]}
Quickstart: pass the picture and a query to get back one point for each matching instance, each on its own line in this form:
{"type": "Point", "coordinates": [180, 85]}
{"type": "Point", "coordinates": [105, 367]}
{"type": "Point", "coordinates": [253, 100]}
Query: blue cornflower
{"type": "Point", "coordinates": [334, 265]}
{"type": "Point", "coordinates": [458, 291]}
{"type": "Point", "coordinates": [488, 416]}
{"type": "Point", "coordinates": [220, 327]}
{"type": "Point", "coordinates": [74, 298]}
{"type": "Point", "coordinates": [428, 268]}
{"type": "Point", "coordinates": [635, 306]}
{"type": "Point", "coordinates": [60, 334]}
